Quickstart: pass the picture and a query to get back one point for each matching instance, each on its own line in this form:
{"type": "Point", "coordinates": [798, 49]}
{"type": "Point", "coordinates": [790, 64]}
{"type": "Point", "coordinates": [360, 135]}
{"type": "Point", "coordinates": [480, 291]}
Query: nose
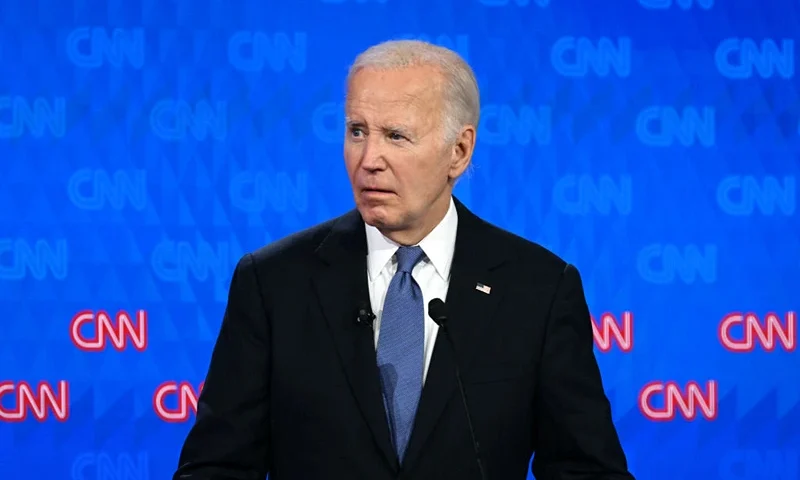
{"type": "Point", "coordinates": [372, 156]}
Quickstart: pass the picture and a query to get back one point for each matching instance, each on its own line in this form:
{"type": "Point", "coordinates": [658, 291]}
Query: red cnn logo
{"type": "Point", "coordinates": [37, 401]}
{"type": "Point", "coordinates": [609, 326]}
{"type": "Point", "coordinates": [119, 332]}
{"type": "Point", "coordinates": [686, 402]}
{"type": "Point", "coordinates": [766, 332]}
{"type": "Point", "coordinates": [187, 401]}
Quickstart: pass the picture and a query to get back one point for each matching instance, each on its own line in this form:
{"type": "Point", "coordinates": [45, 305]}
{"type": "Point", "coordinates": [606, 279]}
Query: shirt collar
{"type": "Point", "coordinates": [438, 246]}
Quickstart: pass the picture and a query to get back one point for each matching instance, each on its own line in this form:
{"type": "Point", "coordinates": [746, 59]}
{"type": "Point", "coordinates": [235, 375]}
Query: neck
{"type": "Point", "coordinates": [415, 234]}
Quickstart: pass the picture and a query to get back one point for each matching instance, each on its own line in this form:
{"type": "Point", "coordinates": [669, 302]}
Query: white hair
{"type": "Point", "coordinates": [461, 95]}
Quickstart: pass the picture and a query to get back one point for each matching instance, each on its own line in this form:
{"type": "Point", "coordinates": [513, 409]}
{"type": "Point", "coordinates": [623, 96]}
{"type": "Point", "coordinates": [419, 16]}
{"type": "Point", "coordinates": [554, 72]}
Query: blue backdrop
{"type": "Point", "coordinates": [146, 145]}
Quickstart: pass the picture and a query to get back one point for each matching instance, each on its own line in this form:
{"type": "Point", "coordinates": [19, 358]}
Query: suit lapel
{"type": "Point", "coordinates": [340, 284]}
{"type": "Point", "coordinates": [476, 257]}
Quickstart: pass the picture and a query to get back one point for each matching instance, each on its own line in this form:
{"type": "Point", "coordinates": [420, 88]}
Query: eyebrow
{"type": "Point", "coordinates": [388, 127]}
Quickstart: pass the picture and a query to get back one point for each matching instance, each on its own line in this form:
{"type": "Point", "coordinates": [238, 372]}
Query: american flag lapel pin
{"type": "Point", "coordinates": [483, 288]}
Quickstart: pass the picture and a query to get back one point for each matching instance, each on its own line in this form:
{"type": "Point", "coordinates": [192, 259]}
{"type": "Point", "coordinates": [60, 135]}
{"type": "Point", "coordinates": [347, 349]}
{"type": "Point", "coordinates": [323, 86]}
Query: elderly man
{"type": "Point", "coordinates": [329, 364]}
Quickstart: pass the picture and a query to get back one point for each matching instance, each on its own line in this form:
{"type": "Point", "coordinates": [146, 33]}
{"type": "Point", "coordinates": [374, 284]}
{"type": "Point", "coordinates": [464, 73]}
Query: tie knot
{"type": "Point", "coordinates": [407, 257]}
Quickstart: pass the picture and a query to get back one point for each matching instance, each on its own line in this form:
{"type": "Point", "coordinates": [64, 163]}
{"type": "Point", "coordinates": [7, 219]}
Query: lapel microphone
{"type": "Point", "coordinates": [437, 310]}
{"type": "Point", "coordinates": [365, 317]}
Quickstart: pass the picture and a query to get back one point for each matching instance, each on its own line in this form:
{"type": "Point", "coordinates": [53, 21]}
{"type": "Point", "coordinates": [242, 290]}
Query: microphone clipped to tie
{"type": "Point", "coordinates": [437, 310]}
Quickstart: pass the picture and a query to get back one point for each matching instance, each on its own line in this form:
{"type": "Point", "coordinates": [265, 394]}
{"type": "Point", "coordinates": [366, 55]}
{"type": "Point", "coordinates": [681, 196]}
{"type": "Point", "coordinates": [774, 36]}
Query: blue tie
{"type": "Point", "coordinates": [401, 348]}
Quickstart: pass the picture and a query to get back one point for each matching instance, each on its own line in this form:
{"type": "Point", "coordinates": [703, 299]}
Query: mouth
{"type": "Point", "coordinates": [375, 191]}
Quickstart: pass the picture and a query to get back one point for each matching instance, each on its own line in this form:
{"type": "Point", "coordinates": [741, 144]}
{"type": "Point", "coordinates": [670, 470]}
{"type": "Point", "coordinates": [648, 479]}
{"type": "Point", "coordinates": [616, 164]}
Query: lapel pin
{"type": "Point", "coordinates": [483, 288]}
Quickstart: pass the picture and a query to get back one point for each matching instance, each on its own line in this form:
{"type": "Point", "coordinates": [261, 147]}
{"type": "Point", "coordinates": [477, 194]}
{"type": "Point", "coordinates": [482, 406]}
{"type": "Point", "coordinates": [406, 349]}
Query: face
{"type": "Point", "coordinates": [400, 167]}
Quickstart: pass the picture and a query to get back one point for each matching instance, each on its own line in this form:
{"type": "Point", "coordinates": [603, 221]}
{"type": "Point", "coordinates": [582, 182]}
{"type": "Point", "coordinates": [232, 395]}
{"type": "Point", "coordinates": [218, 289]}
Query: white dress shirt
{"type": "Point", "coordinates": [432, 273]}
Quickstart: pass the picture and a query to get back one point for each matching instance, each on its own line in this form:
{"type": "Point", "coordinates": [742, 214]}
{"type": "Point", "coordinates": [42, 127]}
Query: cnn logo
{"type": "Point", "coordinates": [175, 402]}
{"type": "Point", "coordinates": [609, 330]}
{"type": "Point", "coordinates": [39, 402]}
{"type": "Point", "coordinates": [95, 331]}
{"type": "Point", "coordinates": [690, 402]}
{"type": "Point", "coordinates": [766, 333]}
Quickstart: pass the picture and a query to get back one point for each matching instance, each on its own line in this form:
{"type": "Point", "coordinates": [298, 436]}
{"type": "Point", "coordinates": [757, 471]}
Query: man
{"type": "Point", "coordinates": [305, 383]}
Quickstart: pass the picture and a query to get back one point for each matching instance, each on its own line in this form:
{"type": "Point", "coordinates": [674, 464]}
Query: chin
{"type": "Point", "coordinates": [377, 216]}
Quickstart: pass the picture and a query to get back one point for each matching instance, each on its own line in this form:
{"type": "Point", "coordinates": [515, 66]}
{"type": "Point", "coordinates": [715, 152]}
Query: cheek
{"type": "Point", "coordinates": [419, 185]}
{"type": "Point", "coordinates": [435, 174]}
{"type": "Point", "coordinates": [350, 159]}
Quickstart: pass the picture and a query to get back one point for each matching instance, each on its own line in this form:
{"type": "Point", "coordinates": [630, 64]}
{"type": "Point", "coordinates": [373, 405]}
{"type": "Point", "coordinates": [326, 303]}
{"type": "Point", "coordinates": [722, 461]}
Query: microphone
{"type": "Point", "coordinates": [365, 316]}
{"type": "Point", "coordinates": [437, 310]}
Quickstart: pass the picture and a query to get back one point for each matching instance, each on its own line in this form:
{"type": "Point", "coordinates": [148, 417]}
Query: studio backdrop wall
{"type": "Point", "coordinates": [146, 145]}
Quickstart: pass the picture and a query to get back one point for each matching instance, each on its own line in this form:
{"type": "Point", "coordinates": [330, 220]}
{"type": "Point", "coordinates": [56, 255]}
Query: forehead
{"type": "Point", "coordinates": [411, 91]}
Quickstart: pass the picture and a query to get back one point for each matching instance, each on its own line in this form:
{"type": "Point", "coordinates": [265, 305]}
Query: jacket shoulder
{"type": "Point", "coordinates": [529, 253]}
{"type": "Point", "coordinates": [295, 248]}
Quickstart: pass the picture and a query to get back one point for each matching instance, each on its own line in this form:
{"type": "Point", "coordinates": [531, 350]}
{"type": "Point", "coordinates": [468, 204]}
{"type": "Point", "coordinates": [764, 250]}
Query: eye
{"type": "Point", "coordinates": [396, 136]}
{"type": "Point", "coordinates": [356, 131]}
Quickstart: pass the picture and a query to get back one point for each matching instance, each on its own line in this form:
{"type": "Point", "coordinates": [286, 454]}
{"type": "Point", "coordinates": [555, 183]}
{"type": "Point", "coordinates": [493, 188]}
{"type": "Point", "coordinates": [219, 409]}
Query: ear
{"type": "Point", "coordinates": [461, 154]}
